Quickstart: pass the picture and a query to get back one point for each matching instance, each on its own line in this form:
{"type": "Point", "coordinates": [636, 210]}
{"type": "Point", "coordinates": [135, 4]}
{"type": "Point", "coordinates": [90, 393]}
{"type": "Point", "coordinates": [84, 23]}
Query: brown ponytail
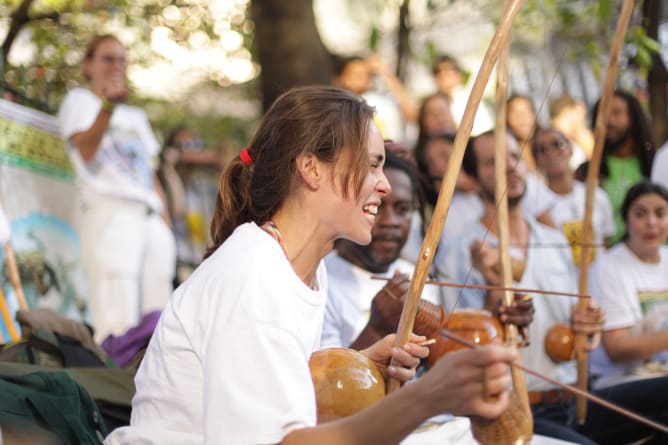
{"type": "Point", "coordinates": [317, 119]}
{"type": "Point", "coordinates": [232, 203]}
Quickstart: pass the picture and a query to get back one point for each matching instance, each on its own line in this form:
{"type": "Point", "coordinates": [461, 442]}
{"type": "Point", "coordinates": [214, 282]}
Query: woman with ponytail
{"type": "Point", "coordinates": [228, 362]}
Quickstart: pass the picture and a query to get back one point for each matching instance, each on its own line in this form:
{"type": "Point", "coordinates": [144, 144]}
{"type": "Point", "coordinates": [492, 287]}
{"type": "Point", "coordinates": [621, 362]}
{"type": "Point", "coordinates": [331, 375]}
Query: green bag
{"type": "Point", "coordinates": [51, 402]}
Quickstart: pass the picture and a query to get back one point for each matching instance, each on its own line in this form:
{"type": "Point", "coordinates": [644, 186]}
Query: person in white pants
{"type": "Point", "coordinates": [127, 248]}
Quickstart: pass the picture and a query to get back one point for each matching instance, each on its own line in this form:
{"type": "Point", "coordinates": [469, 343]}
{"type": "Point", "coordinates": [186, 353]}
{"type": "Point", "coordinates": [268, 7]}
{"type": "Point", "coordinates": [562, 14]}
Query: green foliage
{"type": "Point", "coordinates": [60, 30]}
{"type": "Point", "coordinates": [605, 10]}
{"type": "Point", "coordinates": [644, 47]}
{"type": "Point", "coordinates": [431, 54]}
{"type": "Point", "coordinates": [374, 38]}
{"type": "Point", "coordinates": [585, 28]}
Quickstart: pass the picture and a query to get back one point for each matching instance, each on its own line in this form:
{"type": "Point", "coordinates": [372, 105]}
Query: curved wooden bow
{"type": "Point", "coordinates": [448, 186]}
{"type": "Point", "coordinates": [592, 182]}
{"type": "Point", "coordinates": [501, 200]}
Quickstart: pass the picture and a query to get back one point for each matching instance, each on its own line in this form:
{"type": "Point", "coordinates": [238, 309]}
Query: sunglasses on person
{"type": "Point", "coordinates": [190, 144]}
{"type": "Point", "coordinates": [112, 60]}
{"type": "Point", "coordinates": [556, 144]}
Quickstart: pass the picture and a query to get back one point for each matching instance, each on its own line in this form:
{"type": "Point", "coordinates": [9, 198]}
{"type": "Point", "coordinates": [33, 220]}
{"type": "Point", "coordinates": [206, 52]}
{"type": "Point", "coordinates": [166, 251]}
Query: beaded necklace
{"type": "Point", "coordinates": [271, 228]}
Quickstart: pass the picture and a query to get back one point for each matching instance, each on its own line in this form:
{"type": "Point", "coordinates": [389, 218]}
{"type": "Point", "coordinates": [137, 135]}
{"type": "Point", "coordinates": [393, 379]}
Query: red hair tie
{"type": "Point", "coordinates": [245, 156]}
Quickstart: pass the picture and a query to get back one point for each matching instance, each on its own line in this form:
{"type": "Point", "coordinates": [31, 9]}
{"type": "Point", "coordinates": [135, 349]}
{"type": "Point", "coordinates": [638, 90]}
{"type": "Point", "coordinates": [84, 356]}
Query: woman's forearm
{"type": "Point", "coordinates": [388, 422]}
{"type": "Point", "coordinates": [622, 346]}
{"type": "Point", "coordinates": [88, 142]}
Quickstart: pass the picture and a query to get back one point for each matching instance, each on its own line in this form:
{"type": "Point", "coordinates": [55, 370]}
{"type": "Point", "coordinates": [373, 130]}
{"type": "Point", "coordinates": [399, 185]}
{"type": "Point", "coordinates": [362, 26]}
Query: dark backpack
{"type": "Point", "coordinates": [42, 345]}
{"type": "Point", "coordinates": [51, 349]}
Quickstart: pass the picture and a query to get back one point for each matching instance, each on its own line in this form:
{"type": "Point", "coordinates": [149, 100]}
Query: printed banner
{"type": "Point", "coordinates": [40, 199]}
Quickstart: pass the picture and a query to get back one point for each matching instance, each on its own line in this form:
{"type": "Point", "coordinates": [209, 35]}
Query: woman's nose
{"type": "Point", "coordinates": [383, 185]}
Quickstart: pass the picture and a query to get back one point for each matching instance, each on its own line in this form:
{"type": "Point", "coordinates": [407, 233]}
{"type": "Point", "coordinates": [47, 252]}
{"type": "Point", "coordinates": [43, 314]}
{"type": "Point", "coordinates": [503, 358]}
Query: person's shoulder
{"type": "Point", "coordinates": [612, 264]}
{"type": "Point", "coordinates": [616, 255]}
{"type": "Point", "coordinates": [80, 92]}
{"type": "Point", "coordinates": [580, 192]}
{"type": "Point", "coordinates": [76, 96]}
{"type": "Point", "coordinates": [662, 154]}
{"type": "Point", "coordinates": [542, 190]}
{"type": "Point", "coordinates": [337, 266]}
{"type": "Point", "coordinates": [249, 257]}
{"type": "Point", "coordinates": [333, 260]}
{"type": "Point", "coordinates": [663, 252]}
{"type": "Point", "coordinates": [248, 244]}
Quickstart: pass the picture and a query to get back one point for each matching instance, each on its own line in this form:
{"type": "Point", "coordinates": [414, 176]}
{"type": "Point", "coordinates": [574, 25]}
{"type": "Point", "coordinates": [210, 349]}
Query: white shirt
{"type": "Point", "coordinates": [546, 269]}
{"type": "Point", "coordinates": [568, 214]}
{"type": "Point", "coordinates": [228, 362]}
{"type": "Point", "coordinates": [123, 164]}
{"type": "Point", "coordinates": [634, 294]}
{"type": "Point", "coordinates": [351, 290]}
{"type": "Point", "coordinates": [578, 157]}
{"type": "Point", "coordinates": [538, 197]}
{"type": "Point", "coordinates": [482, 121]}
{"type": "Point", "coordinates": [388, 116]}
{"type": "Point", "coordinates": [5, 232]}
{"type": "Point", "coordinates": [660, 166]}
{"type": "Point", "coordinates": [466, 209]}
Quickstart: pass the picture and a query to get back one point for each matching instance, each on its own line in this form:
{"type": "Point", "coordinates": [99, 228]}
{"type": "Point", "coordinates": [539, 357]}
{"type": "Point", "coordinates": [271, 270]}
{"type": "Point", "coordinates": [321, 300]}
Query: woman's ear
{"type": "Point", "coordinates": [310, 170]}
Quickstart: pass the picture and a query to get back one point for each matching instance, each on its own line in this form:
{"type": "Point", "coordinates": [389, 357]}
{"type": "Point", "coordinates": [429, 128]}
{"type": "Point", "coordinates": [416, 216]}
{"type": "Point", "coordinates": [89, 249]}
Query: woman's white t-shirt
{"type": "Point", "coordinates": [634, 294]}
{"type": "Point", "coordinates": [124, 163]}
{"type": "Point", "coordinates": [228, 362]}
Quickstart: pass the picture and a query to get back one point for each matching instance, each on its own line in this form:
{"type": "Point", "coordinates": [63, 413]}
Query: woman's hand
{"type": "Point", "coordinates": [407, 357]}
{"type": "Point", "coordinates": [115, 89]}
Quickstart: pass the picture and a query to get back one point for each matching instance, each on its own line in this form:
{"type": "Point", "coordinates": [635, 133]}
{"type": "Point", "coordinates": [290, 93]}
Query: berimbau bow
{"type": "Point", "coordinates": [524, 432]}
{"type": "Point", "coordinates": [446, 192]}
{"type": "Point", "coordinates": [592, 182]}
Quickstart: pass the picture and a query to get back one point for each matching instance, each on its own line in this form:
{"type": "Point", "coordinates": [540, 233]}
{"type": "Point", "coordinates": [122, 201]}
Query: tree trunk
{"type": "Point", "coordinates": [288, 45]}
{"type": "Point", "coordinates": [657, 78]}
{"type": "Point", "coordinates": [403, 40]}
